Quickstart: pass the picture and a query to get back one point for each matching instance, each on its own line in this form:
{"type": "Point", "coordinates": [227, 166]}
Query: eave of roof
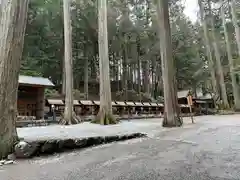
{"type": "Point", "coordinates": [37, 81]}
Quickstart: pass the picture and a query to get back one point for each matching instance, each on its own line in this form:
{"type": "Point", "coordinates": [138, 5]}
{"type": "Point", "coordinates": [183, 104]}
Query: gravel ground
{"type": "Point", "coordinates": [206, 150]}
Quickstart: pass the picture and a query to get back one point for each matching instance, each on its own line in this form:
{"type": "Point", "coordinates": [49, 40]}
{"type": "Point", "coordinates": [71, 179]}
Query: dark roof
{"type": "Point", "coordinates": [40, 81]}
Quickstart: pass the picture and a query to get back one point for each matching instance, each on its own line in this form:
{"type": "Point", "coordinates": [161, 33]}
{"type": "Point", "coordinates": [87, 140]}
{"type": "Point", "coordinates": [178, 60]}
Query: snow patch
{"type": "Point", "coordinates": [118, 160]}
{"type": "Point", "coordinates": [49, 160]}
{"type": "Point", "coordinates": [132, 141]}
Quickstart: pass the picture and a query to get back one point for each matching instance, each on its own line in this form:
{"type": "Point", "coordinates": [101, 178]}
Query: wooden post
{"type": "Point", "coordinates": [191, 114]}
{"type": "Point", "coordinates": [40, 103]}
{"type": "Point", "coordinates": [190, 103]}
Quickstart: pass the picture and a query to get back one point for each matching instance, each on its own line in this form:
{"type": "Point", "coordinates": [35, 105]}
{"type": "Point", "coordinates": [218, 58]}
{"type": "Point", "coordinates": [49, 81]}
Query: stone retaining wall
{"type": "Point", "coordinates": [45, 147]}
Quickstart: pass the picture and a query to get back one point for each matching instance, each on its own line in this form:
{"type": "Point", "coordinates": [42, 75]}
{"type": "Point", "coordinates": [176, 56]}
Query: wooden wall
{"type": "Point", "coordinates": [31, 101]}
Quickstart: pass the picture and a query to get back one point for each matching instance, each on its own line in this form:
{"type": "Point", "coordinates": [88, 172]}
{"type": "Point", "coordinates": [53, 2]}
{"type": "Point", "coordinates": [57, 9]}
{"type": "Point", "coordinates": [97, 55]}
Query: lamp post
{"type": "Point", "coordinates": [53, 112]}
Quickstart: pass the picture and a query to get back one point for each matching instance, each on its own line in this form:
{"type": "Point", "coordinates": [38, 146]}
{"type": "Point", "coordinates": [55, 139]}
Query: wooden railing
{"type": "Point", "coordinates": [87, 108]}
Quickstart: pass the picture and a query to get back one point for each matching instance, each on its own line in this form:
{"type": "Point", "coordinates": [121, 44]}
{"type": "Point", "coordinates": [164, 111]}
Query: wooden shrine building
{"type": "Point", "coordinates": [31, 99]}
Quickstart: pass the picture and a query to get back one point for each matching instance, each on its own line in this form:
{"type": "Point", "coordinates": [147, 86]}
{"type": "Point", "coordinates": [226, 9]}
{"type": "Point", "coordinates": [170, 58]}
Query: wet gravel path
{"type": "Point", "coordinates": [207, 150]}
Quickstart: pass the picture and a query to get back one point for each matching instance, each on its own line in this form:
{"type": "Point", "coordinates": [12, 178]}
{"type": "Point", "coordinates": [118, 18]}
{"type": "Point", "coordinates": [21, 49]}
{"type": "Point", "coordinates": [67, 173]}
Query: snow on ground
{"type": "Point", "coordinates": [87, 129]}
{"type": "Point", "coordinates": [208, 149]}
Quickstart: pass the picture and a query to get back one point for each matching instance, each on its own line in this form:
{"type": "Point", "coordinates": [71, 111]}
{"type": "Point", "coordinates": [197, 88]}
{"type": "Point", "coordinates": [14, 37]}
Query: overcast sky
{"type": "Point", "coordinates": [191, 9]}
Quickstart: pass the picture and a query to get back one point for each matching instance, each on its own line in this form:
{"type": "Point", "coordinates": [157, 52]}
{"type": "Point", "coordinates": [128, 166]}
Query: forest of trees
{"type": "Point", "coordinates": [134, 56]}
{"type": "Point", "coordinates": [147, 49]}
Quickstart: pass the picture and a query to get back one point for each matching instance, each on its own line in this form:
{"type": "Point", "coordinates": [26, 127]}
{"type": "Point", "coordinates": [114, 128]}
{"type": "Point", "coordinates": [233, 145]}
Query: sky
{"type": "Point", "coordinates": [191, 9]}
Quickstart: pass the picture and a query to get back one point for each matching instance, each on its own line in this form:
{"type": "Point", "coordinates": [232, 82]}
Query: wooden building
{"type": "Point", "coordinates": [31, 100]}
{"type": "Point", "coordinates": [200, 101]}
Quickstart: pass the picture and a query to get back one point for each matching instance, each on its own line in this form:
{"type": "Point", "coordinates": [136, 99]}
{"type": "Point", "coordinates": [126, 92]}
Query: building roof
{"type": "Point", "coordinates": [114, 103]}
{"type": "Point", "coordinates": [130, 103]}
{"type": "Point", "coordinates": [119, 103]}
{"type": "Point", "coordinates": [160, 104]}
{"type": "Point", "coordinates": [182, 94]}
{"type": "Point", "coordinates": [55, 102]}
{"type": "Point", "coordinates": [30, 80]}
{"type": "Point", "coordinates": [96, 102]}
{"type": "Point", "coordinates": [200, 95]}
{"type": "Point", "coordinates": [138, 104]}
{"type": "Point", "coordinates": [154, 104]}
{"type": "Point", "coordinates": [76, 102]}
{"type": "Point", "coordinates": [205, 97]}
{"type": "Point", "coordinates": [86, 102]}
{"type": "Point", "coordinates": [146, 104]}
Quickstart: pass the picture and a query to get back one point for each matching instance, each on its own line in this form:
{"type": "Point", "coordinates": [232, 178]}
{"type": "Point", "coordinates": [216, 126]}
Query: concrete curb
{"type": "Point", "coordinates": [47, 147]}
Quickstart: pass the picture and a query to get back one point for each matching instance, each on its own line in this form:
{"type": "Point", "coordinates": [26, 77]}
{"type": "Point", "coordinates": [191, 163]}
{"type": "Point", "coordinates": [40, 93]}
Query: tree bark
{"type": "Point", "coordinates": [171, 112]}
{"type": "Point", "coordinates": [86, 76]}
{"type": "Point", "coordinates": [105, 115]}
{"type": "Point", "coordinates": [118, 73]}
{"type": "Point", "coordinates": [131, 76]}
{"type": "Point", "coordinates": [218, 60]}
{"type": "Point", "coordinates": [68, 62]}
{"type": "Point", "coordinates": [12, 27]}
{"type": "Point", "coordinates": [208, 50]}
{"type": "Point", "coordinates": [159, 80]}
{"type": "Point", "coordinates": [139, 67]}
{"type": "Point", "coordinates": [63, 79]}
{"type": "Point", "coordinates": [94, 66]}
{"type": "Point", "coordinates": [231, 63]}
{"type": "Point", "coordinates": [146, 83]}
{"type": "Point", "coordinates": [125, 67]}
{"type": "Point", "coordinates": [153, 76]}
{"type": "Point", "coordinates": [135, 77]}
{"type": "Point", "coordinates": [69, 116]}
{"type": "Point", "coordinates": [146, 70]}
{"type": "Point", "coordinates": [235, 23]}
{"type": "Point", "coordinates": [115, 66]}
